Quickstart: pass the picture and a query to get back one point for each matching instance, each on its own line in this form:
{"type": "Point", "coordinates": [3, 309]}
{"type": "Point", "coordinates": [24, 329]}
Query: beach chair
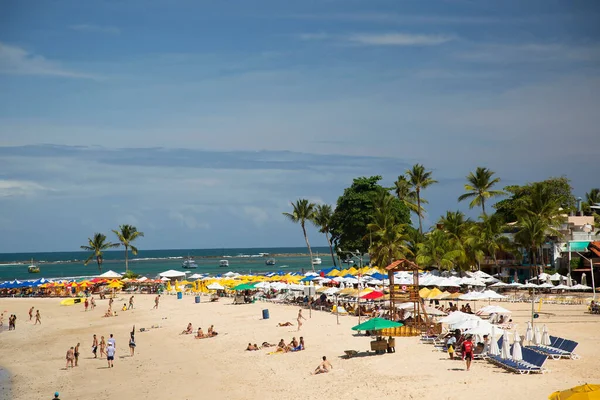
{"type": "Point", "coordinates": [558, 348]}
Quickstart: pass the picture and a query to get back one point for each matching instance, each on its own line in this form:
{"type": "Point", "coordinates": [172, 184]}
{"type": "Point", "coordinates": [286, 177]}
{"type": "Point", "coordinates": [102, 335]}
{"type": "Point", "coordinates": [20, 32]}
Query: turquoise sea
{"type": "Point", "coordinates": [152, 262]}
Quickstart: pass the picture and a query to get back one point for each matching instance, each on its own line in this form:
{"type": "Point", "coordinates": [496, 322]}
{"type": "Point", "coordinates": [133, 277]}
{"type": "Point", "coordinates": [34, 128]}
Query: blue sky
{"type": "Point", "coordinates": [199, 121]}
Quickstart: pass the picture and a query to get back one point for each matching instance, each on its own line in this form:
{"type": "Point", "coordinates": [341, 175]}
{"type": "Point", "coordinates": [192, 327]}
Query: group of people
{"type": "Point", "coordinates": [200, 333]}
{"type": "Point", "coordinates": [91, 303]}
{"type": "Point", "coordinates": [282, 347]}
{"type": "Point", "coordinates": [108, 348]}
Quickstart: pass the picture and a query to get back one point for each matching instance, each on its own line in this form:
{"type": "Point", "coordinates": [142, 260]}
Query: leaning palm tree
{"type": "Point", "coordinates": [97, 245]}
{"type": "Point", "coordinates": [322, 219]}
{"type": "Point", "coordinates": [302, 211]}
{"type": "Point", "coordinates": [419, 179]}
{"type": "Point", "coordinates": [126, 235]}
{"type": "Point", "coordinates": [479, 188]}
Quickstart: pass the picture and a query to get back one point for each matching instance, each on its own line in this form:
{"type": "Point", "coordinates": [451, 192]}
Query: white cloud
{"type": "Point", "coordinates": [15, 60]}
{"type": "Point", "coordinates": [256, 214]}
{"type": "Point", "coordinates": [10, 188]}
{"type": "Point", "coordinates": [109, 30]}
{"type": "Point", "coordinates": [398, 39]}
{"type": "Point", "coordinates": [188, 221]}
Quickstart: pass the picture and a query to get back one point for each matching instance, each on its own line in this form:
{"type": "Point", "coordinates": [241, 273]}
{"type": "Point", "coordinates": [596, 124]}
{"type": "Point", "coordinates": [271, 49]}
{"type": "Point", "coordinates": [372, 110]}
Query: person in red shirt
{"type": "Point", "coordinates": [467, 351]}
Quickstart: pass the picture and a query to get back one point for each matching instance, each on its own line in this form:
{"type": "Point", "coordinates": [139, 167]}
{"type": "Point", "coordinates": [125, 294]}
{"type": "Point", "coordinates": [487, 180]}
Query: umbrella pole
{"type": "Point", "coordinates": [337, 310]}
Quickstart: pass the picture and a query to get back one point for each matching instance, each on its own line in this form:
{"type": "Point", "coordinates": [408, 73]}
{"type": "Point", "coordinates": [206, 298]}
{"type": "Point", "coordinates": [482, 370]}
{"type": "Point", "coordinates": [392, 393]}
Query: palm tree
{"type": "Point", "coordinates": [489, 236]}
{"type": "Point", "coordinates": [389, 238]}
{"type": "Point", "coordinates": [458, 228]}
{"type": "Point", "coordinates": [591, 198]}
{"type": "Point", "coordinates": [322, 219]}
{"type": "Point", "coordinates": [126, 235]}
{"type": "Point", "coordinates": [419, 179]}
{"type": "Point", "coordinates": [403, 191]}
{"type": "Point", "coordinates": [437, 251]}
{"type": "Point", "coordinates": [531, 235]}
{"type": "Point", "coordinates": [97, 245]}
{"type": "Point", "coordinates": [303, 211]}
{"type": "Point", "coordinates": [479, 188]}
{"type": "Point", "coordinates": [455, 224]}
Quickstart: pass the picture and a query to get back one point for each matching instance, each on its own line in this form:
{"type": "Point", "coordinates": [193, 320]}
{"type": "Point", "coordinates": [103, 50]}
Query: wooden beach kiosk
{"type": "Point", "coordinates": [404, 293]}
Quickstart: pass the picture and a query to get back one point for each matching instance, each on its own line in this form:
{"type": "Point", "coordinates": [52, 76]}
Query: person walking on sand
{"type": "Point", "coordinates": [102, 347]}
{"type": "Point", "coordinates": [86, 303]}
{"type": "Point", "coordinates": [95, 346]}
{"type": "Point", "coordinates": [38, 317]}
{"type": "Point", "coordinates": [70, 357]}
{"type": "Point", "coordinates": [76, 354]}
{"type": "Point", "coordinates": [300, 318]}
{"type": "Point", "coordinates": [92, 303]}
{"type": "Point", "coordinates": [31, 313]}
{"type": "Point", "coordinates": [156, 300]}
{"type": "Point", "coordinates": [111, 340]}
{"type": "Point", "coordinates": [110, 354]}
{"type": "Point", "coordinates": [324, 367]}
{"type": "Point", "coordinates": [130, 303]}
{"type": "Point", "coordinates": [467, 351]}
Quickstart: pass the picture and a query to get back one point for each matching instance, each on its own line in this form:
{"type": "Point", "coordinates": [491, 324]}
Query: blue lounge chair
{"type": "Point", "coordinates": [532, 362]}
{"type": "Point", "coordinates": [559, 348]}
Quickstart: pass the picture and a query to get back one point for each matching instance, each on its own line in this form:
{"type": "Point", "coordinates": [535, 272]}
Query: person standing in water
{"type": "Point", "coordinates": [300, 318]}
{"type": "Point", "coordinates": [38, 317]}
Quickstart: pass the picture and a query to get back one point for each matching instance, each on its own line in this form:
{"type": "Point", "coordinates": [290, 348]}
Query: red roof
{"type": "Point", "coordinates": [402, 265]}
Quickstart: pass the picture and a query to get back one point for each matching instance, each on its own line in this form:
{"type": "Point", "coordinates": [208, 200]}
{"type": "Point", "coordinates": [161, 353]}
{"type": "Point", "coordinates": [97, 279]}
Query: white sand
{"type": "Point", "coordinates": [172, 366]}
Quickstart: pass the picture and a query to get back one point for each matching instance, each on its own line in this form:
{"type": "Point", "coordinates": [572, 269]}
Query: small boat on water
{"type": "Point", "coordinates": [270, 261]}
{"type": "Point", "coordinates": [189, 263]}
{"type": "Point", "coordinates": [348, 261]}
{"type": "Point", "coordinates": [317, 260]}
{"type": "Point", "coordinates": [33, 269]}
{"type": "Point", "coordinates": [224, 263]}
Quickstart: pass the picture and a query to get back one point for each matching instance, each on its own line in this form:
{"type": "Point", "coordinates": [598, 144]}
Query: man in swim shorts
{"type": "Point", "coordinates": [467, 351]}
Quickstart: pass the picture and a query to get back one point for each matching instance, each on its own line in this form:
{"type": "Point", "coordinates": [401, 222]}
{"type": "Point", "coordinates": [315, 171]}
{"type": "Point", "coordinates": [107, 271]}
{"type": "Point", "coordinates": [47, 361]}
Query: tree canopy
{"type": "Point", "coordinates": [558, 188]}
{"type": "Point", "coordinates": [354, 212]}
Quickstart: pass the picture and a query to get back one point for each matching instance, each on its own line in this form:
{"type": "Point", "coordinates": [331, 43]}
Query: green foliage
{"type": "Point", "coordinates": [419, 179]}
{"type": "Point", "coordinates": [322, 220]}
{"type": "Point", "coordinates": [559, 189]}
{"type": "Point", "coordinates": [591, 198]}
{"type": "Point", "coordinates": [97, 245]}
{"type": "Point", "coordinates": [437, 251]}
{"type": "Point", "coordinates": [126, 235]}
{"type": "Point", "coordinates": [130, 275]}
{"type": "Point", "coordinates": [355, 210]}
{"type": "Point", "coordinates": [303, 211]}
{"type": "Point", "coordinates": [479, 187]}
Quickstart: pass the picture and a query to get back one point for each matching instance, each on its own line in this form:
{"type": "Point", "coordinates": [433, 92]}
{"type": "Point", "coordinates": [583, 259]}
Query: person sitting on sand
{"type": "Point", "coordinates": [251, 347]}
{"type": "Point", "coordinates": [282, 347]}
{"type": "Point", "coordinates": [124, 308]}
{"type": "Point", "coordinates": [189, 330]}
{"type": "Point", "coordinates": [284, 324]}
{"type": "Point", "coordinates": [108, 313]}
{"type": "Point", "coordinates": [200, 334]}
{"type": "Point", "coordinates": [324, 367]}
{"type": "Point", "coordinates": [293, 344]}
{"type": "Point", "coordinates": [211, 331]}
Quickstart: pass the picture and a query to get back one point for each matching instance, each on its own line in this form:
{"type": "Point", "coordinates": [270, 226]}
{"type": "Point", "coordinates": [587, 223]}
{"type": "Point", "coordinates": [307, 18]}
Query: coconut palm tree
{"type": "Point", "coordinates": [126, 235]}
{"type": "Point", "coordinates": [437, 251]}
{"type": "Point", "coordinates": [419, 179]}
{"type": "Point", "coordinates": [531, 235]}
{"type": "Point", "coordinates": [479, 187]}
{"type": "Point", "coordinates": [455, 224]}
{"type": "Point", "coordinates": [459, 231]}
{"type": "Point", "coordinates": [97, 245]}
{"type": "Point", "coordinates": [403, 191]}
{"type": "Point", "coordinates": [322, 219]}
{"type": "Point", "coordinates": [489, 236]}
{"type": "Point", "coordinates": [302, 211]}
{"type": "Point", "coordinates": [591, 198]}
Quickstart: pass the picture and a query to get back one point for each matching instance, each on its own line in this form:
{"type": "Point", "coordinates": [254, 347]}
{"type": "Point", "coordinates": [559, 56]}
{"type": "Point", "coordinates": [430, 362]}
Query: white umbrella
{"type": "Point", "coordinates": [493, 350]}
{"type": "Point", "coordinates": [529, 333]}
{"type": "Point", "coordinates": [537, 336]}
{"type": "Point", "coordinates": [517, 354]}
{"type": "Point", "coordinates": [545, 336]}
{"type": "Point", "coordinates": [499, 284]}
{"type": "Point", "coordinates": [562, 287]}
{"type": "Point", "coordinates": [215, 286]}
{"type": "Point", "coordinates": [456, 317]}
{"type": "Point", "coordinates": [505, 353]}
{"type": "Point", "coordinates": [584, 279]}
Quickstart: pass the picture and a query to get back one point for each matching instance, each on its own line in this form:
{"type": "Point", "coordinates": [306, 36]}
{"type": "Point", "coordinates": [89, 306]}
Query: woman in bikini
{"type": "Point", "coordinates": [102, 346]}
{"type": "Point", "coordinates": [300, 318]}
{"type": "Point", "coordinates": [70, 357]}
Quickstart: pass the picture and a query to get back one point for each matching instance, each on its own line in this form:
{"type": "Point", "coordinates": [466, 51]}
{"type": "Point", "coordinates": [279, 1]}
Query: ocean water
{"type": "Point", "coordinates": [151, 262]}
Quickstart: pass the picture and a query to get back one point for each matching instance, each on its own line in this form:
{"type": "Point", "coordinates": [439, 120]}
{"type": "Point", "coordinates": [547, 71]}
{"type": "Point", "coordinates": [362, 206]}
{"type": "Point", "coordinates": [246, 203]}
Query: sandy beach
{"type": "Point", "coordinates": [169, 365]}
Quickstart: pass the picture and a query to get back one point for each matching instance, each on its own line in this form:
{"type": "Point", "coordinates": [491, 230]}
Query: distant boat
{"type": "Point", "coordinates": [316, 260]}
{"type": "Point", "coordinates": [189, 263]}
{"type": "Point", "coordinates": [270, 261]}
{"type": "Point", "coordinates": [348, 261]}
{"type": "Point", "coordinates": [224, 263]}
{"type": "Point", "coordinates": [33, 269]}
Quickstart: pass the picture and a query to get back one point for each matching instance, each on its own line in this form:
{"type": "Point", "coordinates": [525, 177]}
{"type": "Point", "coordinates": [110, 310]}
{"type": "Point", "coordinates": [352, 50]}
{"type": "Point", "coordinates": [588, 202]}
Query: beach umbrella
{"type": "Point", "coordinates": [505, 352]}
{"type": "Point", "coordinates": [545, 336]}
{"type": "Point", "coordinates": [583, 392]}
{"type": "Point", "coordinates": [493, 350]}
{"type": "Point", "coordinates": [529, 333]}
{"type": "Point", "coordinates": [537, 336]}
{"type": "Point", "coordinates": [376, 324]}
{"type": "Point", "coordinates": [372, 295]}
{"type": "Point", "coordinates": [215, 286]}
{"type": "Point", "coordinates": [517, 354]}
{"type": "Point", "coordinates": [584, 279]}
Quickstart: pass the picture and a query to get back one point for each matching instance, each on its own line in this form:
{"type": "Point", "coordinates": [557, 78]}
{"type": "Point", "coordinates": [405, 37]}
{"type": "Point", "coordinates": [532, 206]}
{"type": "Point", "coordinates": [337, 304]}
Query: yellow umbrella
{"type": "Point", "coordinates": [583, 392]}
{"type": "Point", "coordinates": [115, 285]}
{"type": "Point", "coordinates": [169, 288]}
{"type": "Point", "coordinates": [434, 293]}
{"type": "Point", "coordinates": [423, 293]}
{"type": "Point", "coordinates": [442, 296]}
{"type": "Point", "coordinates": [352, 271]}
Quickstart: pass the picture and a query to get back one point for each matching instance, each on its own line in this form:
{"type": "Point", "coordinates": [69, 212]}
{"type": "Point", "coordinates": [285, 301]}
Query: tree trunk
{"type": "Point", "coordinates": [483, 206]}
{"type": "Point", "coordinates": [330, 249]}
{"type": "Point", "coordinates": [308, 245]}
{"type": "Point", "coordinates": [99, 261]}
{"type": "Point", "coordinates": [126, 258]}
{"type": "Point", "coordinates": [419, 211]}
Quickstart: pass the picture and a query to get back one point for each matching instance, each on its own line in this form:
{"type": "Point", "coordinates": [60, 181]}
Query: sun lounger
{"type": "Point", "coordinates": [558, 348]}
{"type": "Point", "coordinates": [532, 362]}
